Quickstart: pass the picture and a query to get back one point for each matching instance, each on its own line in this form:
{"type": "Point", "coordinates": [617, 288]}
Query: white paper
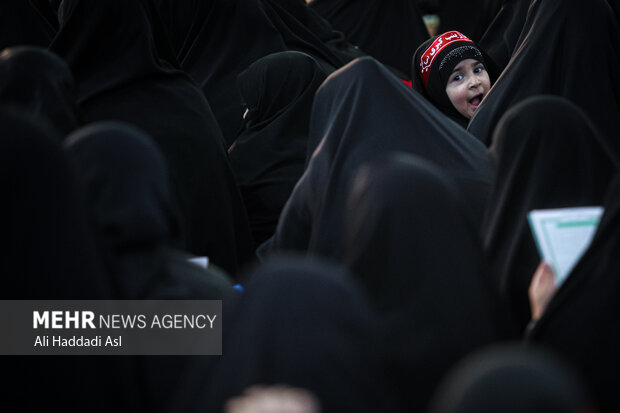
{"type": "Point", "coordinates": [200, 261]}
{"type": "Point", "coordinates": [563, 235]}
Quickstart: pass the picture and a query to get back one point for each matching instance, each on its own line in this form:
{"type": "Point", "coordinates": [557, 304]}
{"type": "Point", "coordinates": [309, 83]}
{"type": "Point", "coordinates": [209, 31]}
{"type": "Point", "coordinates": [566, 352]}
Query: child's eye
{"type": "Point", "coordinates": [479, 69]}
{"type": "Point", "coordinates": [456, 78]}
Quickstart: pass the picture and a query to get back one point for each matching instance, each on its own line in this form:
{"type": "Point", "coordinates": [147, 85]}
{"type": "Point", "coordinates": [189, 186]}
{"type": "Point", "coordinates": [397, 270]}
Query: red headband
{"type": "Point", "coordinates": [440, 43]}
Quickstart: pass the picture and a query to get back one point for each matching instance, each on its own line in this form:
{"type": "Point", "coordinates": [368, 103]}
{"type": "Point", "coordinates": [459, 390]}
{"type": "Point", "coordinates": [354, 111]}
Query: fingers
{"type": "Point", "coordinates": [542, 288]}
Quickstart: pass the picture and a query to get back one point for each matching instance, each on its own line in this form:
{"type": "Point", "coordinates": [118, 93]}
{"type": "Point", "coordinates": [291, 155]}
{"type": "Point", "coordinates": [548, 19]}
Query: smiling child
{"type": "Point", "coordinates": [450, 71]}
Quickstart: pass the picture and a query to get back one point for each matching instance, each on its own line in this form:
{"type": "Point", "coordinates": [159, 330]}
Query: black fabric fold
{"type": "Point", "coordinates": [219, 39]}
{"type": "Point", "coordinates": [124, 179]}
{"type": "Point", "coordinates": [48, 252]}
{"type": "Point", "coordinates": [302, 323]}
{"type": "Point", "coordinates": [23, 25]}
{"type": "Point", "coordinates": [548, 60]}
{"type": "Point", "coordinates": [41, 83]}
{"type": "Point", "coordinates": [359, 113]}
{"type": "Point", "coordinates": [548, 154]}
{"type": "Point", "coordinates": [388, 30]}
{"type": "Point", "coordinates": [587, 302]}
{"type": "Point", "coordinates": [269, 154]}
{"type": "Point", "coordinates": [500, 38]}
{"type": "Point", "coordinates": [418, 255]}
{"type": "Point", "coordinates": [125, 70]}
{"type": "Point", "coordinates": [472, 18]}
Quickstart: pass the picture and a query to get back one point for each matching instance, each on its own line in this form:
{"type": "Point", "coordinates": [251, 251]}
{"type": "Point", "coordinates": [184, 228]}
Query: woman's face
{"type": "Point", "coordinates": [469, 83]}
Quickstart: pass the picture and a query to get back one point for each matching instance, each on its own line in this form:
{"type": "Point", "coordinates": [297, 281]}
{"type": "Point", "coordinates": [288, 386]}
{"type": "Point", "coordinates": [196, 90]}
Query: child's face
{"type": "Point", "coordinates": [469, 83]}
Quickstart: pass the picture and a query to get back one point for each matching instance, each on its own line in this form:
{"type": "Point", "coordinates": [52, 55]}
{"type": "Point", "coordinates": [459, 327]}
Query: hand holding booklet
{"type": "Point", "coordinates": [563, 235]}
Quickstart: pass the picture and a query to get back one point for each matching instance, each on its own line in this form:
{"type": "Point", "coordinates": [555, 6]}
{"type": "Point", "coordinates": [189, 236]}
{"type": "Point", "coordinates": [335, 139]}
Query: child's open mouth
{"type": "Point", "coordinates": [475, 101]}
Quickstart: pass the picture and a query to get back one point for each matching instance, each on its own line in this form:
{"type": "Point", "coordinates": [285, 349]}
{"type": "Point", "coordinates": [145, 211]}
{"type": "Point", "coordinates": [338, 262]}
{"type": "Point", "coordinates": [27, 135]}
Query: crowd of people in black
{"type": "Point", "coordinates": [361, 190]}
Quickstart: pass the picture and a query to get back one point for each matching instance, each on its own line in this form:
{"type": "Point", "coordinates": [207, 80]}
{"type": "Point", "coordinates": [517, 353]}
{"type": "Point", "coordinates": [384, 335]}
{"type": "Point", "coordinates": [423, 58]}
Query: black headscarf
{"type": "Point", "coordinates": [47, 252]}
{"type": "Point", "coordinates": [548, 155]}
{"type": "Point", "coordinates": [432, 66]}
{"type": "Point", "coordinates": [40, 83]}
{"type": "Point", "coordinates": [306, 24]}
{"type": "Point", "coordinates": [582, 321]}
{"type": "Point", "coordinates": [22, 24]}
{"type": "Point", "coordinates": [420, 258]}
{"type": "Point", "coordinates": [220, 38]}
{"type": "Point", "coordinates": [268, 156]}
{"type": "Point", "coordinates": [359, 113]}
{"type": "Point", "coordinates": [500, 38]}
{"type": "Point", "coordinates": [468, 17]}
{"type": "Point", "coordinates": [547, 60]}
{"type": "Point", "coordinates": [390, 31]}
{"type": "Point", "coordinates": [302, 323]}
{"type": "Point", "coordinates": [323, 29]}
{"type": "Point", "coordinates": [512, 379]}
{"type": "Point", "coordinates": [125, 181]}
{"type": "Point", "coordinates": [125, 70]}
{"type": "Point", "coordinates": [94, 50]}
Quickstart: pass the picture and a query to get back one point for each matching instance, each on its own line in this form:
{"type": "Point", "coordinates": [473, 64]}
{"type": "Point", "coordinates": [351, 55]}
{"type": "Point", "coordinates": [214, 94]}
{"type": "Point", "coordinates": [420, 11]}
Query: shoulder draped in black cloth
{"type": "Point", "coordinates": [309, 18]}
{"type": "Point", "coordinates": [47, 252]}
{"type": "Point", "coordinates": [512, 379]}
{"type": "Point", "coordinates": [125, 70]}
{"type": "Point", "coordinates": [388, 30]}
{"type": "Point", "coordinates": [124, 179]}
{"type": "Point", "coordinates": [302, 323]}
{"type": "Point", "coordinates": [582, 321]}
{"type": "Point", "coordinates": [548, 155]}
{"type": "Point", "coordinates": [220, 38]}
{"type": "Point", "coordinates": [468, 17]}
{"type": "Point", "coordinates": [41, 83]}
{"type": "Point", "coordinates": [268, 156]}
{"type": "Point", "coordinates": [500, 38]}
{"type": "Point", "coordinates": [411, 245]}
{"type": "Point", "coordinates": [359, 113]}
{"type": "Point", "coordinates": [299, 24]}
{"type": "Point", "coordinates": [22, 24]}
{"type": "Point", "coordinates": [548, 60]}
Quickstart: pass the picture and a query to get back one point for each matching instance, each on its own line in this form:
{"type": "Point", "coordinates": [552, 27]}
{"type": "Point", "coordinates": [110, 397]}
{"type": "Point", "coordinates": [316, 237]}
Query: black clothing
{"type": "Point", "coordinates": [47, 252]}
{"type": "Point", "coordinates": [23, 24]}
{"type": "Point", "coordinates": [388, 30]}
{"type": "Point", "coordinates": [472, 18]}
{"type": "Point", "coordinates": [269, 154]}
{"type": "Point", "coordinates": [581, 321]}
{"type": "Point", "coordinates": [361, 112]}
{"type": "Point", "coordinates": [310, 20]}
{"type": "Point", "coordinates": [512, 379]}
{"type": "Point", "coordinates": [41, 83]}
{"type": "Point", "coordinates": [420, 258]}
{"type": "Point", "coordinates": [124, 178]}
{"type": "Point", "coordinates": [125, 70]}
{"type": "Point", "coordinates": [302, 323]}
{"type": "Point", "coordinates": [218, 39]}
{"type": "Point", "coordinates": [547, 60]}
{"type": "Point", "coordinates": [500, 38]}
{"type": "Point", "coordinates": [548, 155]}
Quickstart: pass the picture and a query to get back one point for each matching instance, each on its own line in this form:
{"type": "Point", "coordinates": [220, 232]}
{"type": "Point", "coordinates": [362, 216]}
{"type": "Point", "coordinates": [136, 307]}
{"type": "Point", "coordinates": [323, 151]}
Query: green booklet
{"type": "Point", "coordinates": [563, 235]}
